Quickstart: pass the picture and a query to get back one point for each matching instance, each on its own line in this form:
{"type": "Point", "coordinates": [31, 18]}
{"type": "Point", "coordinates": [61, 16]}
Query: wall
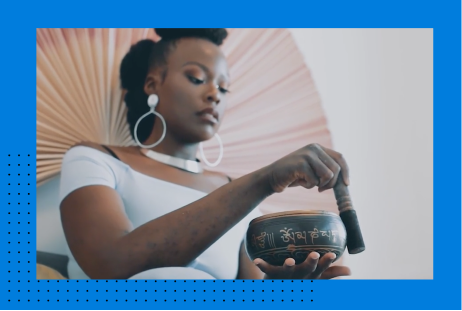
{"type": "Point", "coordinates": [377, 89]}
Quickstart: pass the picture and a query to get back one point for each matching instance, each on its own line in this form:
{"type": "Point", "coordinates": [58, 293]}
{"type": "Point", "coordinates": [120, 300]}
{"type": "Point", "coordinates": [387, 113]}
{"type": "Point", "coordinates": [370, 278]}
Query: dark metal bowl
{"type": "Point", "coordinates": [295, 234]}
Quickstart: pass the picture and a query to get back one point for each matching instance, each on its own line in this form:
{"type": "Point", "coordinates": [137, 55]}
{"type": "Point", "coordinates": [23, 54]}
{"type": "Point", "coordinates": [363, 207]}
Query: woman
{"type": "Point", "coordinates": [151, 211]}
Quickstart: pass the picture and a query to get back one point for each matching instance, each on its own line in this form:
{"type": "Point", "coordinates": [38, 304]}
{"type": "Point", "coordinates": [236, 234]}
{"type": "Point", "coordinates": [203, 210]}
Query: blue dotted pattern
{"type": "Point", "coordinates": [23, 290]}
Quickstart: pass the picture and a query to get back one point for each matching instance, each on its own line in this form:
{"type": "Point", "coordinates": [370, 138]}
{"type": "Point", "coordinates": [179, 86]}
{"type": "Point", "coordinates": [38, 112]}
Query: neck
{"type": "Point", "coordinates": [171, 146]}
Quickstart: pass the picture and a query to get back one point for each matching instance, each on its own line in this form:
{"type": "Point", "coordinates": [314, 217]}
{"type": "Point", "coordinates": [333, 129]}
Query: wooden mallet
{"type": "Point", "coordinates": [355, 242]}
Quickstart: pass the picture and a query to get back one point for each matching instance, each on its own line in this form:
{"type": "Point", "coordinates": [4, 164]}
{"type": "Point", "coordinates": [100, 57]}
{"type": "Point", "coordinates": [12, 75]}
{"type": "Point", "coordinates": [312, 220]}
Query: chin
{"type": "Point", "coordinates": [197, 135]}
{"type": "Point", "coordinates": [206, 133]}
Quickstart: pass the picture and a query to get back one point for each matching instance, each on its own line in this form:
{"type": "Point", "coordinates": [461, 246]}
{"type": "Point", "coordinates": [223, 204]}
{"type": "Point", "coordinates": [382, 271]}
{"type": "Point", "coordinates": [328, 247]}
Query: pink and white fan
{"type": "Point", "coordinates": [274, 107]}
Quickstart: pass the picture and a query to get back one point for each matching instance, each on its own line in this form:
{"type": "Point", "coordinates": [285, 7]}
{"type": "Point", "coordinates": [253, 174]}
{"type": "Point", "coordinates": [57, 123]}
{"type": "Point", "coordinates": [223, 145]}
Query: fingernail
{"type": "Point", "coordinates": [316, 255]}
{"type": "Point", "coordinates": [257, 261]}
{"type": "Point", "coordinates": [334, 255]}
{"type": "Point", "coordinates": [290, 262]}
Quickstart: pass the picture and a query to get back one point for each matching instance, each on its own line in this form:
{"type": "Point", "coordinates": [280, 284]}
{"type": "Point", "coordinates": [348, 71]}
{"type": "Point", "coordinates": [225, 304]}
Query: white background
{"type": "Point", "coordinates": [376, 86]}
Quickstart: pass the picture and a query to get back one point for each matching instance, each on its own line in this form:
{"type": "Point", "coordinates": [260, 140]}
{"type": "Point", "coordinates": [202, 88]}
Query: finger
{"type": "Point", "coordinates": [288, 268]}
{"type": "Point", "coordinates": [323, 265]}
{"type": "Point", "coordinates": [298, 182]}
{"type": "Point", "coordinates": [307, 179]}
{"type": "Point", "coordinates": [321, 170]}
{"type": "Point", "coordinates": [307, 267]}
{"type": "Point", "coordinates": [266, 268]}
{"type": "Point", "coordinates": [335, 271]}
{"type": "Point", "coordinates": [333, 166]}
{"type": "Point", "coordinates": [311, 180]}
{"type": "Point", "coordinates": [338, 157]}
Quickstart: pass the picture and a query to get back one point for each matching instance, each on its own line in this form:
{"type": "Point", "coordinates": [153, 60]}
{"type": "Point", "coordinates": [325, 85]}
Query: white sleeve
{"type": "Point", "coordinates": [84, 166]}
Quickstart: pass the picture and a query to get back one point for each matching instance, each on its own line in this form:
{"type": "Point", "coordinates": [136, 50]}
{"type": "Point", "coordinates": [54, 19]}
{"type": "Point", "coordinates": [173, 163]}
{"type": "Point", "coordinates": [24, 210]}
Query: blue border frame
{"type": "Point", "coordinates": [19, 290]}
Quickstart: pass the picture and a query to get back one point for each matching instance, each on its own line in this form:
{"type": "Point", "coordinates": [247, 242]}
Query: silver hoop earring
{"type": "Point", "coordinates": [219, 157]}
{"type": "Point", "coordinates": [153, 100]}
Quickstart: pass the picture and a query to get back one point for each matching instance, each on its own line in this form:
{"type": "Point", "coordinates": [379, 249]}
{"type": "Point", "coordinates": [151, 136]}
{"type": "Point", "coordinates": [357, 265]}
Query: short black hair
{"type": "Point", "coordinates": [146, 54]}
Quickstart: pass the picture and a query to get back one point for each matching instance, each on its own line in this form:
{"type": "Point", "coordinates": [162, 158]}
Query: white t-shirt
{"type": "Point", "coordinates": [146, 198]}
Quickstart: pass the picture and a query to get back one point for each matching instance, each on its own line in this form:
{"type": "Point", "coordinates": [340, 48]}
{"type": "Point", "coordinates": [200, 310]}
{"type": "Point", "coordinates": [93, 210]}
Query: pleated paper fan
{"type": "Point", "coordinates": [78, 91]}
{"type": "Point", "coordinates": [273, 109]}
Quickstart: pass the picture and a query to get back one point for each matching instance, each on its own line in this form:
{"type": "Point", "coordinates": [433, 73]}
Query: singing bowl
{"type": "Point", "coordinates": [295, 234]}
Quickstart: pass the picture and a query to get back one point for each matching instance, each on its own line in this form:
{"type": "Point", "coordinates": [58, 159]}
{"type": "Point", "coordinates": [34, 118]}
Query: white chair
{"type": "Point", "coordinates": [51, 243]}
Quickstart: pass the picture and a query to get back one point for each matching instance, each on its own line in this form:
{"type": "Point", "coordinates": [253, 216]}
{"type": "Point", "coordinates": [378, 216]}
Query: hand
{"type": "Point", "coordinates": [310, 166]}
{"type": "Point", "coordinates": [311, 268]}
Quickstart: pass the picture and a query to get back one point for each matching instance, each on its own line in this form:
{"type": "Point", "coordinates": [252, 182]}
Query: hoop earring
{"type": "Point", "coordinates": [219, 157]}
{"type": "Point", "coordinates": [153, 100]}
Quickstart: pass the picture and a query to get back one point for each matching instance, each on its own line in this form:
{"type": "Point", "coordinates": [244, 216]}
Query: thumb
{"type": "Point", "coordinates": [263, 265]}
{"type": "Point", "coordinates": [304, 183]}
{"type": "Point", "coordinates": [335, 271]}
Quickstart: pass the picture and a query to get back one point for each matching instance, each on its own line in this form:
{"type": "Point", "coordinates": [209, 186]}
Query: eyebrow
{"type": "Point", "coordinates": [205, 68]}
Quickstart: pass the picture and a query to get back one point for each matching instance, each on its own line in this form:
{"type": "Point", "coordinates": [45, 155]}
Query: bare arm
{"type": "Point", "coordinates": [105, 245]}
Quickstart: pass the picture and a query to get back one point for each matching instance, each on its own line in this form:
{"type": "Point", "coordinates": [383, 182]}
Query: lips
{"type": "Point", "coordinates": [209, 112]}
{"type": "Point", "coordinates": [207, 117]}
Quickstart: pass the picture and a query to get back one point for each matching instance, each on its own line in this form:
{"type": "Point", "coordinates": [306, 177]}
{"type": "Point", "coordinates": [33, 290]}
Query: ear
{"type": "Point", "coordinates": [152, 82]}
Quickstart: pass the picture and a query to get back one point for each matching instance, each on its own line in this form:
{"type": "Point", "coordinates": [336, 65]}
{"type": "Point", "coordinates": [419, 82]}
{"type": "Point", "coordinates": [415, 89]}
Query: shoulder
{"type": "Point", "coordinates": [91, 152]}
{"type": "Point", "coordinates": [92, 147]}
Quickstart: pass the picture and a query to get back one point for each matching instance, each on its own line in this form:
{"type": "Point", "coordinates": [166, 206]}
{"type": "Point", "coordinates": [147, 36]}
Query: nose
{"type": "Point", "coordinates": [213, 95]}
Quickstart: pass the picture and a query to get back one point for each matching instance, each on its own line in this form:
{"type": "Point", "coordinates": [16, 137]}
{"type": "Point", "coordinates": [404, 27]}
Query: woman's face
{"type": "Point", "coordinates": [197, 79]}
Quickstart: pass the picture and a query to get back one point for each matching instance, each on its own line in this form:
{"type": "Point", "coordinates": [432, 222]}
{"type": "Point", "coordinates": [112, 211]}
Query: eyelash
{"type": "Point", "coordinates": [197, 81]}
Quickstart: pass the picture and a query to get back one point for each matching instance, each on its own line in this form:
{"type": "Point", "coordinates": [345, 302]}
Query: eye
{"type": "Point", "coordinates": [195, 80]}
{"type": "Point", "coordinates": [223, 90]}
